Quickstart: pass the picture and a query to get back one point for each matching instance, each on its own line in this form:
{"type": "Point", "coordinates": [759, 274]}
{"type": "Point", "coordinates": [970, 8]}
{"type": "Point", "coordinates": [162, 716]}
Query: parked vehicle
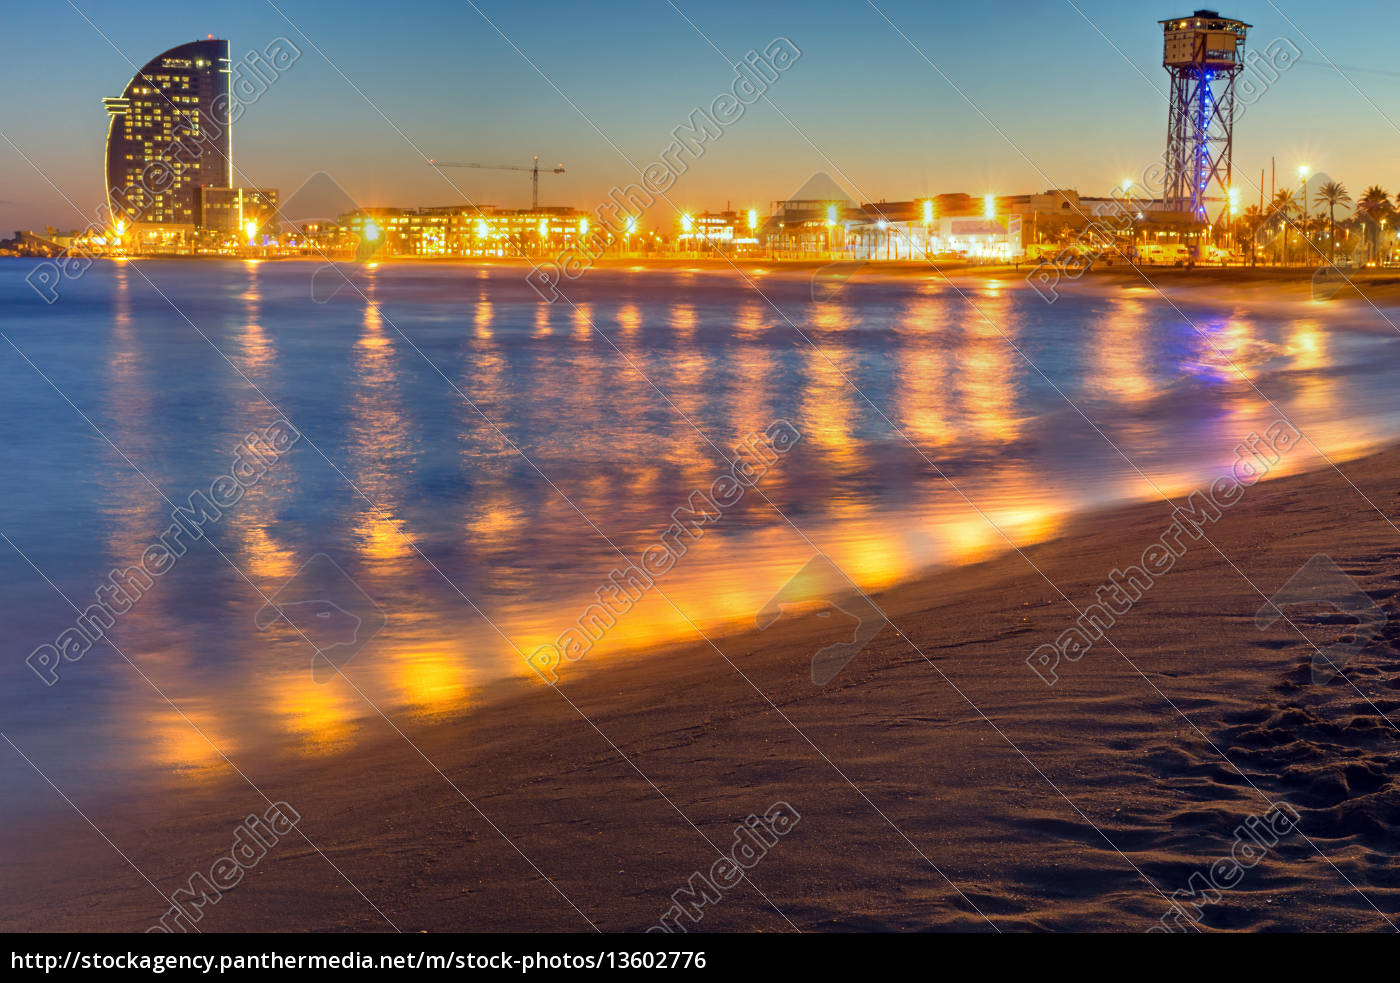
{"type": "Point", "coordinates": [1223, 256]}
{"type": "Point", "coordinates": [1170, 253]}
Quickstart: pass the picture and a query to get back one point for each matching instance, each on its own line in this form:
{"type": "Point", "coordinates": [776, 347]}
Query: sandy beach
{"type": "Point", "coordinates": [501, 487]}
{"type": "Point", "coordinates": [940, 783]}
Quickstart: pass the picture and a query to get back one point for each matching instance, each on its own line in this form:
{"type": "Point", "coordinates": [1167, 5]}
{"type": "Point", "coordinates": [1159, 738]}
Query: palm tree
{"type": "Point", "coordinates": [1250, 221]}
{"type": "Point", "coordinates": [1283, 203]}
{"type": "Point", "coordinates": [1332, 194]}
{"type": "Point", "coordinates": [1282, 208]}
{"type": "Point", "coordinates": [1375, 204]}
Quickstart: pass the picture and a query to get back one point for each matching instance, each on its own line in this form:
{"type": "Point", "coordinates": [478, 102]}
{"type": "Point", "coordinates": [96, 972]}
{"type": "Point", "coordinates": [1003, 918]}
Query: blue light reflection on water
{"type": "Point", "coordinates": [455, 428]}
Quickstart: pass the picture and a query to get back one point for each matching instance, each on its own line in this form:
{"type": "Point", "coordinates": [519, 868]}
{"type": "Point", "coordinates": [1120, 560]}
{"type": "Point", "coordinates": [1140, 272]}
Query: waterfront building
{"type": "Point", "coordinates": [233, 209]}
{"type": "Point", "coordinates": [167, 137]}
{"type": "Point", "coordinates": [455, 231]}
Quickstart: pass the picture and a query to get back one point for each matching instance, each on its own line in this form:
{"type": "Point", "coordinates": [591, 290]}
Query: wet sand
{"type": "Point", "coordinates": [940, 783]}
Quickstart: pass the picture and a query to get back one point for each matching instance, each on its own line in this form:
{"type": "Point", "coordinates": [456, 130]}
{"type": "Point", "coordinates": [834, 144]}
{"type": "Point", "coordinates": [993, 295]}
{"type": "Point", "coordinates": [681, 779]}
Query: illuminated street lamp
{"type": "Point", "coordinates": [1303, 177]}
{"type": "Point", "coordinates": [251, 228]}
{"type": "Point", "coordinates": [1233, 194]}
{"type": "Point", "coordinates": [991, 212]}
{"type": "Point", "coordinates": [928, 226]}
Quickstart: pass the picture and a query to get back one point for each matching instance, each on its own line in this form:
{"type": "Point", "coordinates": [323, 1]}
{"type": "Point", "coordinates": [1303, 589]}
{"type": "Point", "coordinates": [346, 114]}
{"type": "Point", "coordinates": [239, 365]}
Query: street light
{"type": "Point", "coordinates": [1303, 177]}
{"type": "Point", "coordinates": [991, 210]}
{"type": "Point", "coordinates": [1233, 194]}
{"type": "Point", "coordinates": [251, 228]}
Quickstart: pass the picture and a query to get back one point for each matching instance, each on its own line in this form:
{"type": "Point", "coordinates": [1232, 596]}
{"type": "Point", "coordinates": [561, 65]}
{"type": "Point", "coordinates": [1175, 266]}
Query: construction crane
{"type": "Point", "coordinates": [534, 170]}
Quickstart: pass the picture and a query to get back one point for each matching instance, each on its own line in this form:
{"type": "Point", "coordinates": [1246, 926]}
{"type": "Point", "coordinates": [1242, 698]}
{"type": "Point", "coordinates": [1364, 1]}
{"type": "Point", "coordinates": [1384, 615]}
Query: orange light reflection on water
{"type": "Point", "coordinates": [957, 383]}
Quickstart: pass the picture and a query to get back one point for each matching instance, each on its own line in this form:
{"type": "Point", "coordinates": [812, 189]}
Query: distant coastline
{"type": "Point", "coordinates": [1283, 283]}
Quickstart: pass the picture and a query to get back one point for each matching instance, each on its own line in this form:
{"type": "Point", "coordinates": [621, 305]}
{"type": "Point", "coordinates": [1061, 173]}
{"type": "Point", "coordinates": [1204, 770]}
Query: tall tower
{"type": "Point", "coordinates": [1203, 54]}
{"type": "Point", "coordinates": [169, 135]}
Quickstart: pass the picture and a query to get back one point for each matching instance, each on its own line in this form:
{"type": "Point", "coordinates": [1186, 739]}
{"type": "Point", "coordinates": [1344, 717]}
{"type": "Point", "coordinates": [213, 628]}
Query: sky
{"type": "Point", "coordinates": [1002, 98]}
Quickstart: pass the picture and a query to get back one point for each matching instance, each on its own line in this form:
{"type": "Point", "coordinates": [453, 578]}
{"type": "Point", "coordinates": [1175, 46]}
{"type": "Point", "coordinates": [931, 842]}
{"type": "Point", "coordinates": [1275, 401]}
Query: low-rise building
{"type": "Point", "coordinates": [455, 231]}
{"type": "Point", "coordinates": [232, 210]}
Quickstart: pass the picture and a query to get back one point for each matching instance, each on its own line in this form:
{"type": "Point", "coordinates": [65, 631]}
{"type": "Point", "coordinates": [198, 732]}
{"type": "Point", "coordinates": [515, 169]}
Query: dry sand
{"type": "Point", "coordinates": [940, 783]}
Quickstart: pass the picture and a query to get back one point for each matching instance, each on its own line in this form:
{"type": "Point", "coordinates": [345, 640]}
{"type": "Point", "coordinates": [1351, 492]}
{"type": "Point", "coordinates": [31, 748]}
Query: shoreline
{"type": "Point", "coordinates": [1381, 283]}
{"type": "Point", "coordinates": [1031, 819]}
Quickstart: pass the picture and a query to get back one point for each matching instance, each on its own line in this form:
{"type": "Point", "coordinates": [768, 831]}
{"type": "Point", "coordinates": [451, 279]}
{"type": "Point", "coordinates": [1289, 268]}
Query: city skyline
{"type": "Point", "coordinates": [313, 119]}
{"type": "Point", "coordinates": [481, 472]}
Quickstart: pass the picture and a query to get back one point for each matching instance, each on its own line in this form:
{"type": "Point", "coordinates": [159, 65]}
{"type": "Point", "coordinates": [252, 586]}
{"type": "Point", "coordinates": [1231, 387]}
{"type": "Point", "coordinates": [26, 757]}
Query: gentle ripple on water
{"type": "Point", "coordinates": [478, 462]}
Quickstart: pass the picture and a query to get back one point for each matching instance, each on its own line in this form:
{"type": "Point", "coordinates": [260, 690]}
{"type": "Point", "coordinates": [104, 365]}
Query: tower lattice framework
{"type": "Point", "coordinates": [1204, 55]}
